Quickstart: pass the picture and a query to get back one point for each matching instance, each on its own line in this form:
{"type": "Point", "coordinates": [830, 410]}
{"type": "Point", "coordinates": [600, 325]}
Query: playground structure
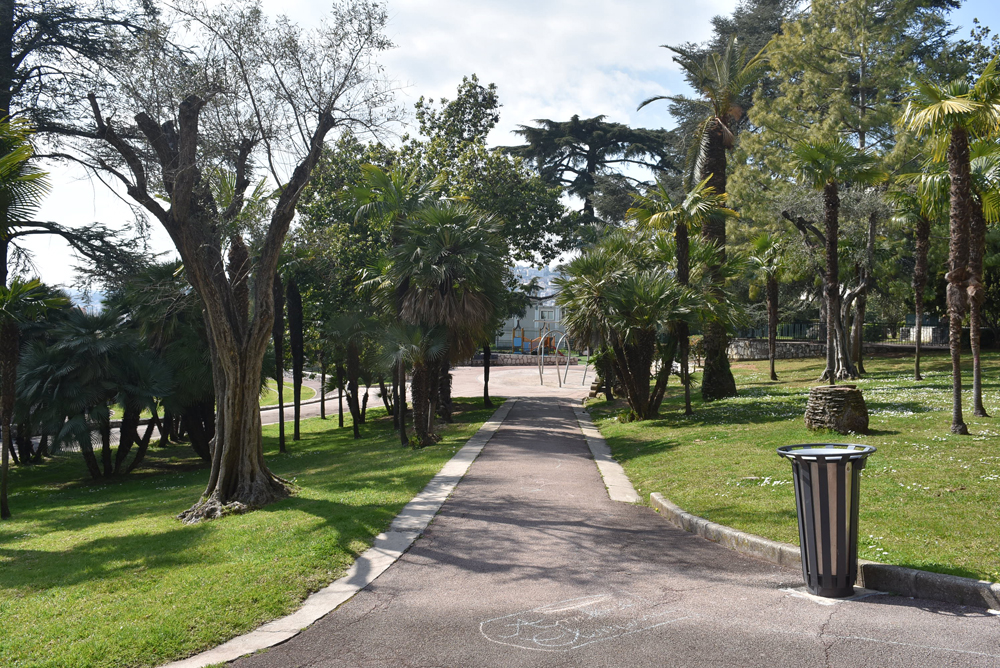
{"type": "Point", "coordinates": [561, 378]}
{"type": "Point", "coordinates": [550, 341]}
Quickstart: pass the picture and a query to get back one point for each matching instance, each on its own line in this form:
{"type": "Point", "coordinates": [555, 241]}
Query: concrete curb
{"type": "Point", "coordinates": [408, 525]}
{"type": "Point", "coordinates": [871, 575]}
{"type": "Point", "coordinates": [619, 486]}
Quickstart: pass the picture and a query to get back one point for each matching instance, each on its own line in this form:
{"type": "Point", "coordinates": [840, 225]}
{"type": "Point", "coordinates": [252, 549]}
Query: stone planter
{"type": "Point", "coordinates": [838, 407]}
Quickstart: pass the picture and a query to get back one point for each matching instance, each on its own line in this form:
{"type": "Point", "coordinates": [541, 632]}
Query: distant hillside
{"type": "Point", "coordinates": [545, 277]}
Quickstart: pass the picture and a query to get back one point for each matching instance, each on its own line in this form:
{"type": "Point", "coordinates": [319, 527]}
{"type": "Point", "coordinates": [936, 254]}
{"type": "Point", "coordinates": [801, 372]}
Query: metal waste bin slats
{"type": "Point", "coordinates": [826, 478]}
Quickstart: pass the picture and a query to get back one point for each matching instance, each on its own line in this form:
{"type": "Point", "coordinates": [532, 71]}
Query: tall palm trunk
{"type": "Point", "coordinates": [421, 404]}
{"type": "Point", "coordinates": [296, 341]}
{"type": "Point", "coordinates": [278, 337]}
{"type": "Point", "coordinates": [399, 402]}
{"type": "Point", "coordinates": [322, 385]}
{"type": "Point", "coordinates": [866, 277]}
{"type": "Point", "coordinates": [717, 378]}
{"type": "Point", "coordinates": [771, 293]}
{"type": "Point", "coordinates": [9, 338]}
{"type": "Point", "coordinates": [340, 395]}
{"type": "Point", "coordinates": [683, 244]}
{"type": "Point", "coordinates": [353, 371]}
{"type": "Point", "coordinates": [958, 252]}
{"type": "Point", "coordinates": [486, 376]}
{"type": "Point", "coordinates": [831, 205]}
{"type": "Point", "coordinates": [919, 283]}
{"type": "Point", "coordinates": [977, 294]}
{"type": "Point", "coordinates": [444, 390]}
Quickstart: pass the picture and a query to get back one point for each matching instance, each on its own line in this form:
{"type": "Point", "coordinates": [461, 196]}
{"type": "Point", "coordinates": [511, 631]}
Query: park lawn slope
{"type": "Point", "coordinates": [269, 396]}
{"type": "Point", "coordinates": [102, 574]}
{"type": "Point", "coordinates": [929, 499]}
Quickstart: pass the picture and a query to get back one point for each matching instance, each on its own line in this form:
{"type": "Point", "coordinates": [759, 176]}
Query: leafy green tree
{"type": "Point", "coordinates": [245, 92]}
{"type": "Point", "coordinates": [526, 207]}
{"type": "Point", "coordinates": [838, 68]}
{"type": "Point", "coordinates": [575, 154]}
{"type": "Point", "coordinates": [950, 114]}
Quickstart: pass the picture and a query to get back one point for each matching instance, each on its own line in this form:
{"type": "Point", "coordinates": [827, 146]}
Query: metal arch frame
{"type": "Point", "coordinates": [565, 373]}
{"type": "Point", "coordinates": [541, 355]}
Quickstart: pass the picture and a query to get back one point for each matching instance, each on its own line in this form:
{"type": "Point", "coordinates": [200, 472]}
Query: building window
{"type": "Point", "coordinates": [548, 315]}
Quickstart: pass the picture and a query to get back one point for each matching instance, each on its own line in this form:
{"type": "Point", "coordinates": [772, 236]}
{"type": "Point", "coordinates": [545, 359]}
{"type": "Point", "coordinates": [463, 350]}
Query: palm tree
{"type": "Point", "coordinates": [624, 294]}
{"type": "Point", "coordinates": [392, 197]}
{"type": "Point", "coordinates": [22, 185]}
{"type": "Point", "coordinates": [414, 346]}
{"type": "Point", "coordinates": [94, 362]}
{"type": "Point", "coordinates": [21, 302]}
{"type": "Point", "coordinates": [720, 80]}
{"type": "Point", "coordinates": [825, 166]}
{"type": "Point", "coordinates": [452, 264]}
{"type": "Point", "coordinates": [700, 207]}
{"type": "Point", "coordinates": [985, 168]}
{"type": "Point", "coordinates": [951, 114]}
{"type": "Point", "coordinates": [916, 209]}
{"type": "Point", "coordinates": [768, 262]}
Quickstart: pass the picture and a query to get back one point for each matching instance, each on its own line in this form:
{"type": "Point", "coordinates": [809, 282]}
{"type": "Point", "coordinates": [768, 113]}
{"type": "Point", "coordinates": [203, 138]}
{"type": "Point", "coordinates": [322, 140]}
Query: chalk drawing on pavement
{"type": "Point", "coordinates": [576, 622]}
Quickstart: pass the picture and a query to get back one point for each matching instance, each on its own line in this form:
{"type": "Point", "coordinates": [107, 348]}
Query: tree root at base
{"type": "Point", "coordinates": [246, 500]}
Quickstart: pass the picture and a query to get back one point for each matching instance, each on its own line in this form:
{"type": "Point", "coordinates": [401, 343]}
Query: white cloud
{"type": "Point", "coordinates": [549, 59]}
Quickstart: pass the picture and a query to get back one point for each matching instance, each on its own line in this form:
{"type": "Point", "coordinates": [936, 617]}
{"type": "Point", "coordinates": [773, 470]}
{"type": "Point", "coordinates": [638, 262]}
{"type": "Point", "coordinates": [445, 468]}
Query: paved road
{"type": "Point", "coordinates": [530, 564]}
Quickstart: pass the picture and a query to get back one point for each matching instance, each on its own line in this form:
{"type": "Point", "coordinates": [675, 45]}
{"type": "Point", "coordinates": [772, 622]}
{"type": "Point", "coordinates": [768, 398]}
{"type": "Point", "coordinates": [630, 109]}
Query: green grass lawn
{"type": "Point", "coordinates": [101, 574]}
{"type": "Point", "coordinates": [929, 499]}
{"type": "Point", "coordinates": [270, 396]}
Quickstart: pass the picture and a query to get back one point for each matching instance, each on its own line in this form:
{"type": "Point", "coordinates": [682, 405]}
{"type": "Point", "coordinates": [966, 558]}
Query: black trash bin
{"type": "Point", "coordinates": [826, 477]}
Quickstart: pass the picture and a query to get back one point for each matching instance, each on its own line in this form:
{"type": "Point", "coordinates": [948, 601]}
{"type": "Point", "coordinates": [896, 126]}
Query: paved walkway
{"type": "Point", "coordinates": [530, 564]}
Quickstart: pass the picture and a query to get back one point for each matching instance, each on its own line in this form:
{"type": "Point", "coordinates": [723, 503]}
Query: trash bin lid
{"type": "Point", "coordinates": [827, 452]}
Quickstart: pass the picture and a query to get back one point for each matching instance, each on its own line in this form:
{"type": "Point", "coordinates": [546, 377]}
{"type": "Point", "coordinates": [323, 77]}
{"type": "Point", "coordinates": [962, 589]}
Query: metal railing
{"type": "Point", "coordinates": [888, 333]}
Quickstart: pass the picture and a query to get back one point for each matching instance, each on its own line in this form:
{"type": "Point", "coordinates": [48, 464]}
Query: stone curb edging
{"type": "Point", "coordinates": [617, 483]}
{"type": "Point", "coordinates": [871, 574]}
{"type": "Point", "coordinates": [408, 525]}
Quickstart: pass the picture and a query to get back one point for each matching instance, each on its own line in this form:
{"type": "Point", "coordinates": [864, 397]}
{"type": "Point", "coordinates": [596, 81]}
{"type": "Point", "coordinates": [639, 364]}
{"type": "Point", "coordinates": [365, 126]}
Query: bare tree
{"type": "Point", "coordinates": [226, 90]}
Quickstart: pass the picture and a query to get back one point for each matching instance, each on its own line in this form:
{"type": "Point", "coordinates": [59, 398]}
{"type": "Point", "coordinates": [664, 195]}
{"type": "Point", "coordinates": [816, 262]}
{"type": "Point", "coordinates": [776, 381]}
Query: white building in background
{"type": "Point", "coordinates": [542, 321]}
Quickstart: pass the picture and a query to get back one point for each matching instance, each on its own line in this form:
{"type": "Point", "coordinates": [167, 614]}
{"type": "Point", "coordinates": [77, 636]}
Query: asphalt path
{"type": "Point", "coordinates": [530, 564]}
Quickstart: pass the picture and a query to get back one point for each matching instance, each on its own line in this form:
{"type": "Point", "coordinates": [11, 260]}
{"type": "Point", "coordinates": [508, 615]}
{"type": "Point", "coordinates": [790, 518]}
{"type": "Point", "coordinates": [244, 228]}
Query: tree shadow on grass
{"type": "Point", "coordinates": [102, 559]}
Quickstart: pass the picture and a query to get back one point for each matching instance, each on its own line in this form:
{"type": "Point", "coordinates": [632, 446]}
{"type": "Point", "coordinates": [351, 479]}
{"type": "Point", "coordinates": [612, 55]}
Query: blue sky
{"type": "Point", "coordinates": [549, 59]}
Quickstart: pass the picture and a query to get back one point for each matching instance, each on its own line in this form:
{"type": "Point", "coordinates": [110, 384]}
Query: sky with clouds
{"type": "Point", "coordinates": [549, 59]}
